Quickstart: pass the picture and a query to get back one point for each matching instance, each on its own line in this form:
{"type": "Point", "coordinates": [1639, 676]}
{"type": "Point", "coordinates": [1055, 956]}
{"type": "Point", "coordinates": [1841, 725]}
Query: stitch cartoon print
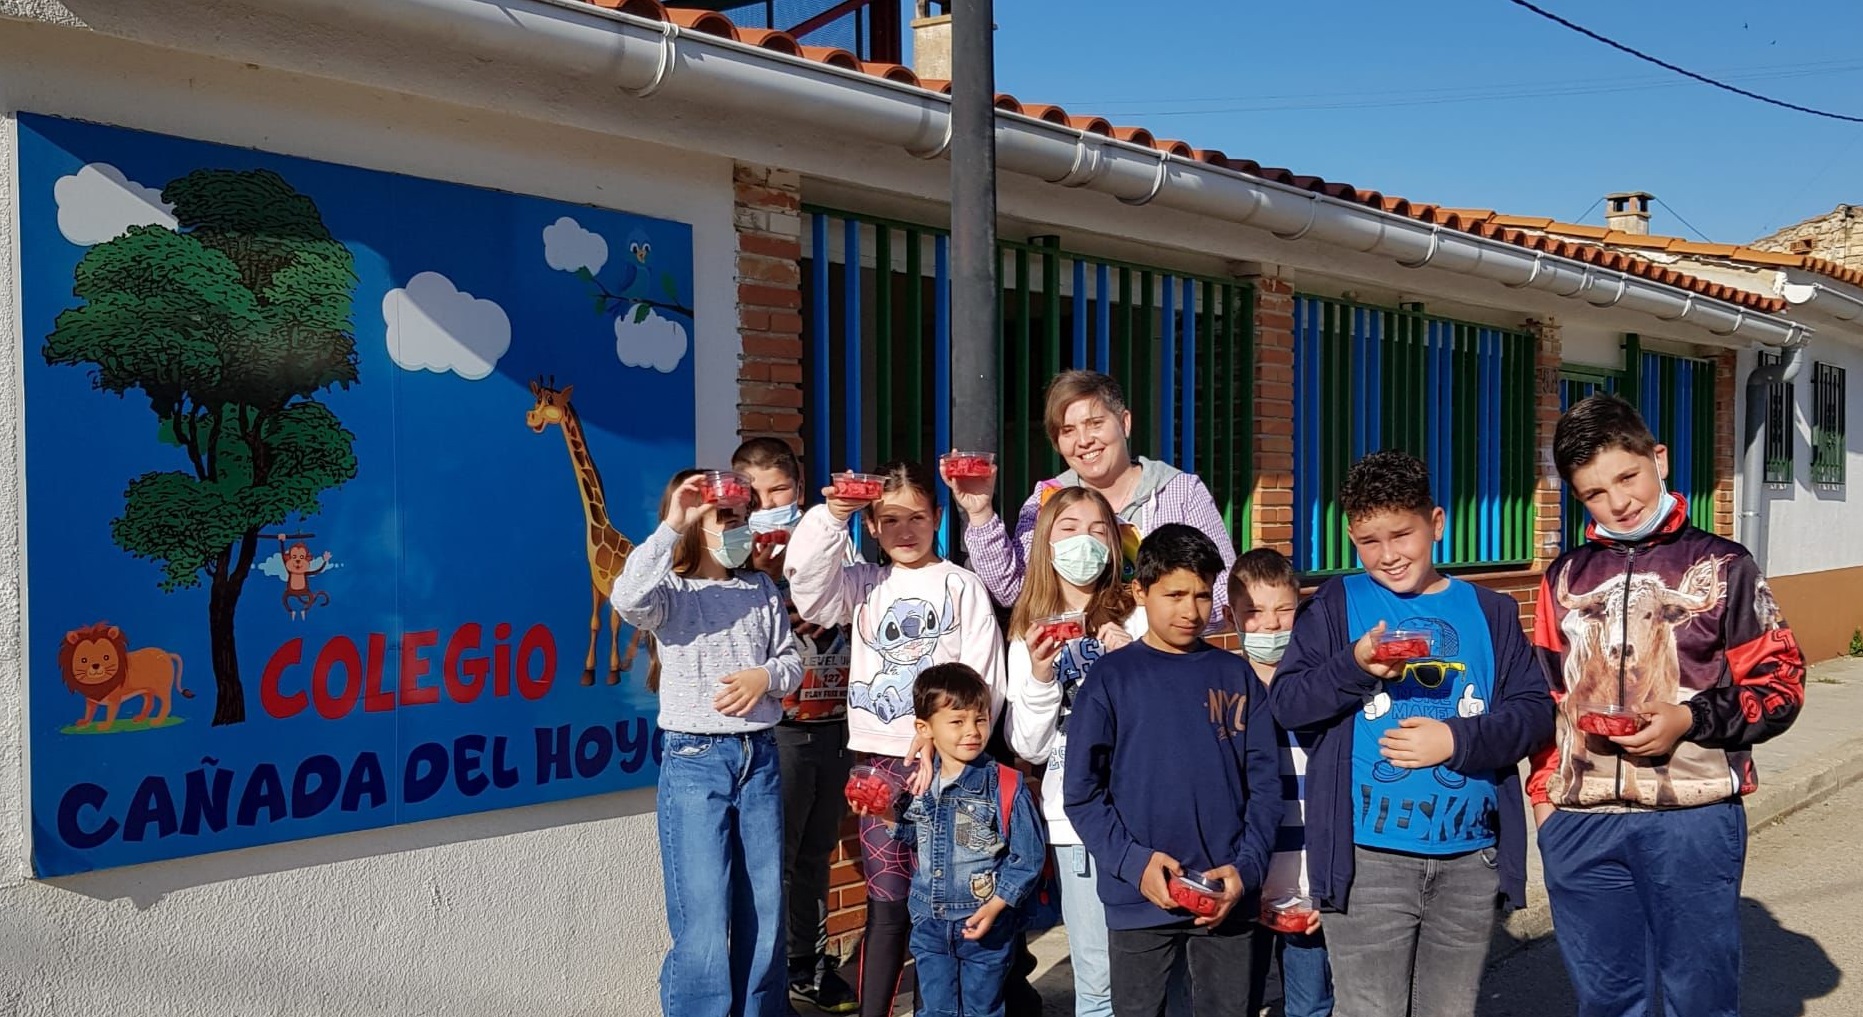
{"type": "Point", "coordinates": [904, 635]}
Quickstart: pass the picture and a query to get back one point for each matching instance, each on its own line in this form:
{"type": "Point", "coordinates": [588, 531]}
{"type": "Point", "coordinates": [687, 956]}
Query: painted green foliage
{"type": "Point", "coordinates": [230, 325]}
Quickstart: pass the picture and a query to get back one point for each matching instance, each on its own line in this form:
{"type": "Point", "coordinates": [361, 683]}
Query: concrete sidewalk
{"type": "Point", "coordinates": [1820, 754]}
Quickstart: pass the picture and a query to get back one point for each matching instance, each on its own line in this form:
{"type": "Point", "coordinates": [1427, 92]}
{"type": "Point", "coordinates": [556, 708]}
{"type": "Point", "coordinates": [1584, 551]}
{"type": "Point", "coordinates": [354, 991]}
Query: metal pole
{"type": "Point", "coordinates": [976, 416]}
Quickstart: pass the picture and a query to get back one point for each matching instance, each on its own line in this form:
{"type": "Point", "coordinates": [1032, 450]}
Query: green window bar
{"type": "Point", "coordinates": [1676, 397]}
{"type": "Point", "coordinates": [1827, 430]}
{"type": "Point", "coordinates": [1575, 384]}
{"type": "Point", "coordinates": [1781, 424]}
{"type": "Point", "coordinates": [1458, 395]}
{"type": "Point", "coordinates": [1181, 346]}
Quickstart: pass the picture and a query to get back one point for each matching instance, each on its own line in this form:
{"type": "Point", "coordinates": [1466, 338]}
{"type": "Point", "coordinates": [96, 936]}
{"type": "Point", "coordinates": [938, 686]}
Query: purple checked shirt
{"type": "Point", "coordinates": [1001, 562]}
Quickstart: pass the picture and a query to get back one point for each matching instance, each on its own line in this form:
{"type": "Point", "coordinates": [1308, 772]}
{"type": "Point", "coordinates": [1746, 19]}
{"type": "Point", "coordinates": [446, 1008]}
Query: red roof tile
{"type": "Point", "coordinates": [1525, 231]}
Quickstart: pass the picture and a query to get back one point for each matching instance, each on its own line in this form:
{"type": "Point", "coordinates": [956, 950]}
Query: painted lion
{"type": "Point", "coordinates": [97, 663]}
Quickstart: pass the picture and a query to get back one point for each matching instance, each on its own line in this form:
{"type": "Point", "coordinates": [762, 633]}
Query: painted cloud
{"type": "Point", "coordinates": [567, 246]}
{"type": "Point", "coordinates": [98, 203]}
{"type": "Point", "coordinates": [659, 343]}
{"type": "Point", "coordinates": [433, 326]}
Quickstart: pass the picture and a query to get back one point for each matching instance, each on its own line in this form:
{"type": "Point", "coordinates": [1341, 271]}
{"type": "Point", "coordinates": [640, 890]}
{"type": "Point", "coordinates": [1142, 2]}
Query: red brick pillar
{"type": "Point", "coordinates": [768, 214]}
{"type": "Point", "coordinates": [1725, 458]}
{"type": "Point", "coordinates": [1548, 493]}
{"type": "Point", "coordinates": [1272, 520]}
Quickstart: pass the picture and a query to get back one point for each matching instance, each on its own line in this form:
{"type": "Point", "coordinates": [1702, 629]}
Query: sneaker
{"type": "Point", "coordinates": [828, 993]}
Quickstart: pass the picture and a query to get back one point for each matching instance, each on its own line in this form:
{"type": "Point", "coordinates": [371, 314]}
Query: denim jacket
{"type": "Point", "coordinates": [963, 860]}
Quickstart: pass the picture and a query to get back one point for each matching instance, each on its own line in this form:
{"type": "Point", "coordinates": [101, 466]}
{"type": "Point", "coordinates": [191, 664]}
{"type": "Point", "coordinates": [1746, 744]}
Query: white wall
{"type": "Point", "coordinates": [553, 909]}
{"type": "Point", "coordinates": [1809, 528]}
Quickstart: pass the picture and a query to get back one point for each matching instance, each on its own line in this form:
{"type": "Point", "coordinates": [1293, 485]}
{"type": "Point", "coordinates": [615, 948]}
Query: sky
{"type": "Point", "coordinates": [1479, 103]}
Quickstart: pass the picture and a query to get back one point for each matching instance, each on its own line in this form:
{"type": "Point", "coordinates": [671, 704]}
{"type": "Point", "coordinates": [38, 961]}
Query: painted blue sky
{"type": "Point", "coordinates": [459, 513]}
{"type": "Point", "coordinates": [1478, 103]}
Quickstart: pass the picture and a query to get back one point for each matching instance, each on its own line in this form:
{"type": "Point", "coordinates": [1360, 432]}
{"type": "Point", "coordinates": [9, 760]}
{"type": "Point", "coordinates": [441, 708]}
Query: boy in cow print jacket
{"type": "Point", "coordinates": [1670, 661]}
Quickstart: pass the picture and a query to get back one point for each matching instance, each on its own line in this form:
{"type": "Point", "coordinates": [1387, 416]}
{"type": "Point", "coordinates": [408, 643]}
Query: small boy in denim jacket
{"type": "Point", "coordinates": [981, 844]}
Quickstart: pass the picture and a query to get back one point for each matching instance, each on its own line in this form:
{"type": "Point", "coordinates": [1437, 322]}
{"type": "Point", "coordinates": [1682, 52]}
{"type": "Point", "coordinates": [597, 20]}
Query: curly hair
{"type": "Point", "coordinates": [1389, 480]}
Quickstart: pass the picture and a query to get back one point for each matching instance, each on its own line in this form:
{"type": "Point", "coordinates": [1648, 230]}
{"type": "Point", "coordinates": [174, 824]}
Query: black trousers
{"type": "Point", "coordinates": [815, 761]}
{"type": "Point", "coordinates": [1220, 961]}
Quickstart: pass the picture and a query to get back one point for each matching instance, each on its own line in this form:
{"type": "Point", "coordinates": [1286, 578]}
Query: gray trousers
{"type": "Point", "coordinates": [1414, 936]}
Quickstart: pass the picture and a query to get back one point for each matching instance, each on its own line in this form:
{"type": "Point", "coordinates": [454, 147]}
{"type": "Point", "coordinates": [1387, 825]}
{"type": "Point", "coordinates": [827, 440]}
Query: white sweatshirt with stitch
{"type": "Point", "coordinates": [904, 621]}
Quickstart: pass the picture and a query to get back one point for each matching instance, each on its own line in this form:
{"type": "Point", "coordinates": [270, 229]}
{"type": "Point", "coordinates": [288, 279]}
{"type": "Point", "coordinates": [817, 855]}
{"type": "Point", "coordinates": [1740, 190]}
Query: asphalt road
{"type": "Point", "coordinates": [1802, 922]}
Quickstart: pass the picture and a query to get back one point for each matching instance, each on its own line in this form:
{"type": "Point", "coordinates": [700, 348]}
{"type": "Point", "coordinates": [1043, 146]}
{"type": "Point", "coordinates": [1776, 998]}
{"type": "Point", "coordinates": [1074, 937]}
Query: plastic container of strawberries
{"type": "Point", "coordinates": [1196, 893]}
{"type": "Point", "coordinates": [724, 487]}
{"type": "Point", "coordinates": [1287, 914]}
{"type": "Point", "coordinates": [1062, 627]}
{"type": "Point", "coordinates": [1609, 720]}
{"type": "Point", "coordinates": [873, 789]}
{"type": "Point", "coordinates": [1399, 645]}
{"type": "Point", "coordinates": [858, 486]}
{"type": "Point", "coordinates": [967, 465]}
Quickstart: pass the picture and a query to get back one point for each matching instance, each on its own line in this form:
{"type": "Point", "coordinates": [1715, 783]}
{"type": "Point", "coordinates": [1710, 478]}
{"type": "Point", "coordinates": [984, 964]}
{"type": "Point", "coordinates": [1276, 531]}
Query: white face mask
{"type": "Point", "coordinates": [1664, 506]}
{"type": "Point", "coordinates": [733, 548]}
{"type": "Point", "coordinates": [1266, 647]}
{"type": "Point", "coordinates": [1081, 558]}
{"type": "Point", "coordinates": [770, 520]}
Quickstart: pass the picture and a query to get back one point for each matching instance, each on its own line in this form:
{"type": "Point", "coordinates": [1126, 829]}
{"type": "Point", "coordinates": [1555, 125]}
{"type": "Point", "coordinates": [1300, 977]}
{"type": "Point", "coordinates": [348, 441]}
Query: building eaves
{"type": "Point", "coordinates": [1483, 224]}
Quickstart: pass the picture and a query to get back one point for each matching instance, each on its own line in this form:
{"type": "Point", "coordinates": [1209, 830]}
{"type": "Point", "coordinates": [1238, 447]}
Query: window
{"type": "Point", "coordinates": [876, 354]}
{"type": "Point", "coordinates": [1576, 383]}
{"type": "Point", "coordinates": [1459, 396]}
{"type": "Point", "coordinates": [1780, 426]}
{"type": "Point", "coordinates": [1676, 397]}
{"type": "Point", "coordinates": [1827, 426]}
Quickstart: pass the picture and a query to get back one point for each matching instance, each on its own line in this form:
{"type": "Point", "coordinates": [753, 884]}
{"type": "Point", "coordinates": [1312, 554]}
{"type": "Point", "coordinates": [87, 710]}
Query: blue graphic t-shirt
{"type": "Point", "coordinates": [1434, 811]}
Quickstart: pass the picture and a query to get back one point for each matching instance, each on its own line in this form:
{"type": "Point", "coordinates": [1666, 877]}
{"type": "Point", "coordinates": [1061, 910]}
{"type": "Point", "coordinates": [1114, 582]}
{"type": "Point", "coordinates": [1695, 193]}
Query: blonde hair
{"type": "Point", "coordinates": [1111, 599]}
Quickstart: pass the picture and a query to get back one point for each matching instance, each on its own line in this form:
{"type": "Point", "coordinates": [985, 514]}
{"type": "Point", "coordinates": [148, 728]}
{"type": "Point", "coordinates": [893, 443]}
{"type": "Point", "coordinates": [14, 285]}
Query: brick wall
{"type": "Point", "coordinates": [1724, 442]}
{"type": "Point", "coordinates": [1548, 492]}
{"type": "Point", "coordinates": [768, 214]}
{"type": "Point", "coordinates": [1272, 521]}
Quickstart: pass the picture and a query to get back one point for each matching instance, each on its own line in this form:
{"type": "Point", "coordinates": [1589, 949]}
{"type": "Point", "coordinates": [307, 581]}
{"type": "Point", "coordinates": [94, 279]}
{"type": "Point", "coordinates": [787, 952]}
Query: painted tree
{"type": "Point", "coordinates": [230, 325]}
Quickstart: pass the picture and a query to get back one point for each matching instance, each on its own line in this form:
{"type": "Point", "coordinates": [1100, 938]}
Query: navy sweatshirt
{"type": "Point", "coordinates": [1319, 689]}
{"type": "Point", "coordinates": [1172, 752]}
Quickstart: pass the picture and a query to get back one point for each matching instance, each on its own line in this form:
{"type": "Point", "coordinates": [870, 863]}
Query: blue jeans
{"type": "Point", "coordinates": [1306, 972]}
{"type": "Point", "coordinates": [1646, 906]}
{"type": "Point", "coordinates": [960, 977]}
{"type": "Point", "coordinates": [720, 812]}
{"type": "Point", "coordinates": [1085, 918]}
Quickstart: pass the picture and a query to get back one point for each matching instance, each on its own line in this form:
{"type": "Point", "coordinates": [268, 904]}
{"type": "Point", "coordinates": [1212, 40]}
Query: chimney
{"type": "Point", "coordinates": [931, 42]}
{"type": "Point", "coordinates": [1628, 211]}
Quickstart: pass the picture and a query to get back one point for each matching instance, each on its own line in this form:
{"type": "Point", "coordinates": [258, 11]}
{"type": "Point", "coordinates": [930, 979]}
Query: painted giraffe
{"type": "Point", "coordinates": [607, 548]}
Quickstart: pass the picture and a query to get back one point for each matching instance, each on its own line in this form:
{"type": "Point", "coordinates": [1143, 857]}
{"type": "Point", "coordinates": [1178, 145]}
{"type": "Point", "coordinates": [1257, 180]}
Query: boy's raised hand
{"type": "Point", "coordinates": [1367, 647]}
{"type": "Point", "coordinates": [1232, 892]}
{"type": "Point", "coordinates": [1155, 884]}
{"type": "Point", "coordinates": [687, 506]}
{"type": "Point", "coordinates": [1418, 742]}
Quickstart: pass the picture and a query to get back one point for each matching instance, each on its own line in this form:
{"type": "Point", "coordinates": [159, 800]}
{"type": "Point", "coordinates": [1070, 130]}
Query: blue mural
{"type": "Point", "coordinates": [328, 472]}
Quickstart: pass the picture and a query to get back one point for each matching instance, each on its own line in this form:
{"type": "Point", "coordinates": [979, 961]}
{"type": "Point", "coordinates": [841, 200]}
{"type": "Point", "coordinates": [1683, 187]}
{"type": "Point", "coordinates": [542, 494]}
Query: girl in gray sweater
{"type": "Point", "coordinates": [727, 659]}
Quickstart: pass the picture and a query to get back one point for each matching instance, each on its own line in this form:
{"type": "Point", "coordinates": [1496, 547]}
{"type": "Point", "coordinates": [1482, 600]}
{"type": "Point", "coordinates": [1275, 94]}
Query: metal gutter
{"type": "Point", "coordinates": [642, 57]}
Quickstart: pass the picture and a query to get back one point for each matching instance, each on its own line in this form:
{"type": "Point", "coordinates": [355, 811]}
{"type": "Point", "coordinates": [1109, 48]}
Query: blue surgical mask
{"type": "Point", "coordinates": [1081, 558]}
{"type": "Point", "coordinates": [1664, 506]}
{"type": "Point", "coordinates": [770, 520]}
{"type": "Point", "coordinates": [1266, 647]}
{"type": "Point", "coordinates": [733, 548]}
